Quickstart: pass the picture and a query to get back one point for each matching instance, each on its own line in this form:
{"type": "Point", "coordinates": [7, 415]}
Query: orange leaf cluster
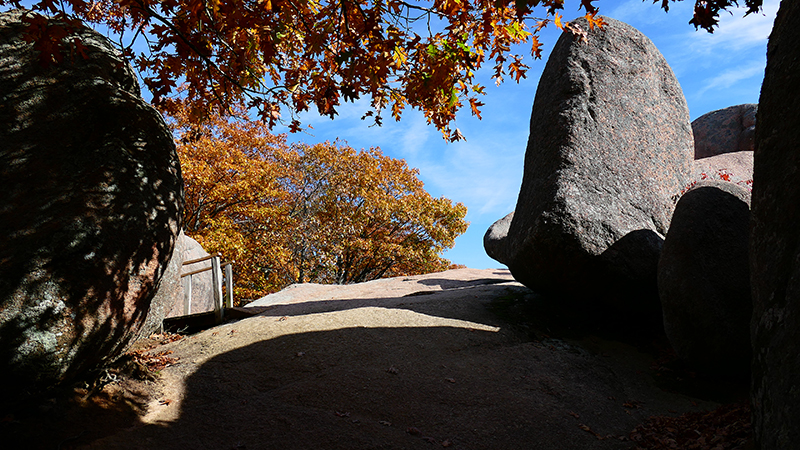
{"type": "Point", "coordinates": [153, 361]}
{"type": "Point", "coordinates": [294, 55]}
{"type": "Point", "coordinates": [720, 174]}
{"type": "Point", "coordinates": [322, 213]}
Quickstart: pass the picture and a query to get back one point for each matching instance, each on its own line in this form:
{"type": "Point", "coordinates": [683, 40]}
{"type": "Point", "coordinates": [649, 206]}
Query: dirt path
{"type": "Point", "coordinates": [440, 360]}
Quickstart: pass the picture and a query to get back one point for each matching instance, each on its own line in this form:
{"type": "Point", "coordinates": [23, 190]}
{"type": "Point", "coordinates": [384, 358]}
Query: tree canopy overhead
{"type": "Point", "coordinates": [293, 55]}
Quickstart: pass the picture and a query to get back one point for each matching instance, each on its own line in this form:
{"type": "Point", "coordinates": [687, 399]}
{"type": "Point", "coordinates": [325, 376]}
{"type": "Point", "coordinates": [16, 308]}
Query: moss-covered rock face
{"type": "Point", "coordinates": [90, 207]}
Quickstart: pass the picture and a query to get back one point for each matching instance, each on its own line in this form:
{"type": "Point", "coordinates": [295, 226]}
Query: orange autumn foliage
{"type": "Point", "coordinates": [322, 213]}
{"type": "Point", "coordinates": [293, 55]}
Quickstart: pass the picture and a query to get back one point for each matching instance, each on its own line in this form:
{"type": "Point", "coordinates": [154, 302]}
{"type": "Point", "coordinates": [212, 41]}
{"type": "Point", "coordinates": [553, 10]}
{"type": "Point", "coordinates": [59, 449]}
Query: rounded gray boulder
{"type": "Point", "coordinates": [704, 278]}
{"type": "Point", "coordinates": [202, 285]}
{"type": "Point", "coordinates": [727, 130]}
{"type": "Point", "coordinates": [610, 144]}
{"type": "Point", "coordinates": [495, 242]}
{"type": "Point", "coordinates": [90, 212]}
{"type": "Point", "coordinates": [737, 166]}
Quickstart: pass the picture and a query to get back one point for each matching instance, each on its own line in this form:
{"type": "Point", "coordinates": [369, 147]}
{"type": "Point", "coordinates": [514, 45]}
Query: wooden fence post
{"type": "Point", "coordinates": [187, 299]}
{"type": "Point", "coordinates": [229, 284]}
{"type": "Point", "coordinates": [220, 302]}
{"type": "Point", "coordinates": [216, 284]}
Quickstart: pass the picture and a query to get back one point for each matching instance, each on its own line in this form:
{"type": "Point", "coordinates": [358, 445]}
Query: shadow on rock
{"type": "Point", "coordinates": [458, 284]}
{"type": "Point", "coordinates": [70, 415]}
{"type": "Point", "coordinates": [434, 303]}
{"type": "Point", "coordinates": [91, 206]}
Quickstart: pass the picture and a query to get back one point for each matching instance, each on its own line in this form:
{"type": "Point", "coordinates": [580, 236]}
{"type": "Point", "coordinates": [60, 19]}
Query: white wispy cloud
{"type": "Point", "coordinates": [730, 77]}
{"type": "Point", "coordinates": [642, 12]}
{"type": "Point", "coordinates": [483, 174]}
{"type": "Point", "coordinates": [415, 137]}
{"type": "Point", "coordinates": [735, 33]}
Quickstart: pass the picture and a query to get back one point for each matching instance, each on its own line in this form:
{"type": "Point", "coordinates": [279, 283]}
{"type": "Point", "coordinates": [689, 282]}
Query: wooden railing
{"type": "Point", "coordinates": [217, 279]}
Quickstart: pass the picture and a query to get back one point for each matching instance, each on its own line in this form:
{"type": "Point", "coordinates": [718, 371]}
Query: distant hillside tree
{"type": "Point", "coordinates": [366, 216]}
{"type": "Point", "coordinates": [322, 213]}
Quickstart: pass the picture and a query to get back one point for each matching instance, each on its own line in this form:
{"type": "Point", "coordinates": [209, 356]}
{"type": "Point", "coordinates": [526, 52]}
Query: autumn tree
{"type": "Point", "coordinates": [367, 216]}
{"type": "Point", "coordinates": [292, 55]}
{"type": "Point", "coordinates": [323, 213]}
{"type": "Point", "coordinates": [235, 194]}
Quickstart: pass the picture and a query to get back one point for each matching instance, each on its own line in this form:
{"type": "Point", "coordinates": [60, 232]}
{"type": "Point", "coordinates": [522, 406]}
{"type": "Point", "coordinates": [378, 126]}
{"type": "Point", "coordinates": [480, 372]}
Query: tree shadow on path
{"type": "Point", "coordinates": [386, 374]}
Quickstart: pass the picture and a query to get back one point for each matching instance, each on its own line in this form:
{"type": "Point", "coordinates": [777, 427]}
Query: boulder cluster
{"type": "Point", "coordinates": [627, 205]}
{"type": "Point", "coordinates": [609, 159]}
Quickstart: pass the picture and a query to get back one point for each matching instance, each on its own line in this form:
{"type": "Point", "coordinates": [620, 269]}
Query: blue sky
{"type": "Point", "coordinates": [485, 172]}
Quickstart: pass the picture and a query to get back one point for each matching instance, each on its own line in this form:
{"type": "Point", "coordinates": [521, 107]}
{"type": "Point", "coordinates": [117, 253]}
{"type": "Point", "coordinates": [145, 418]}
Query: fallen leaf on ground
{"type": "Point", "coordinates": [726, 428]}
{"type": "Point", "coordinates": [589, 430]}
{"type": "Point", "coordinates": [153, 361]}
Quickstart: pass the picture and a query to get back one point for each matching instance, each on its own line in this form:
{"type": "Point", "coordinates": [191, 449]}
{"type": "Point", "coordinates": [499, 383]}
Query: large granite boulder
{"type": "Point", "coordinates": [610, 144]}
{"type": "Point", "coordinates": [704, 278]}
{"type": "Point", "coordinates": [169, 300]}
{"type": "Point", "coordinates": [737, 167]}
{"type": "Point", "coordinates": [726, 130]}
{"type": "Point", "coordinates": [169, 291]}
{"type": "Point", "coordinates": [775, 242]}
{"type": "Point", "coordinates": [90, 211]}
{"type": "Point", "coordinates": [494, 241]}
{"type": "Point", "coordinates": [202, 283]}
